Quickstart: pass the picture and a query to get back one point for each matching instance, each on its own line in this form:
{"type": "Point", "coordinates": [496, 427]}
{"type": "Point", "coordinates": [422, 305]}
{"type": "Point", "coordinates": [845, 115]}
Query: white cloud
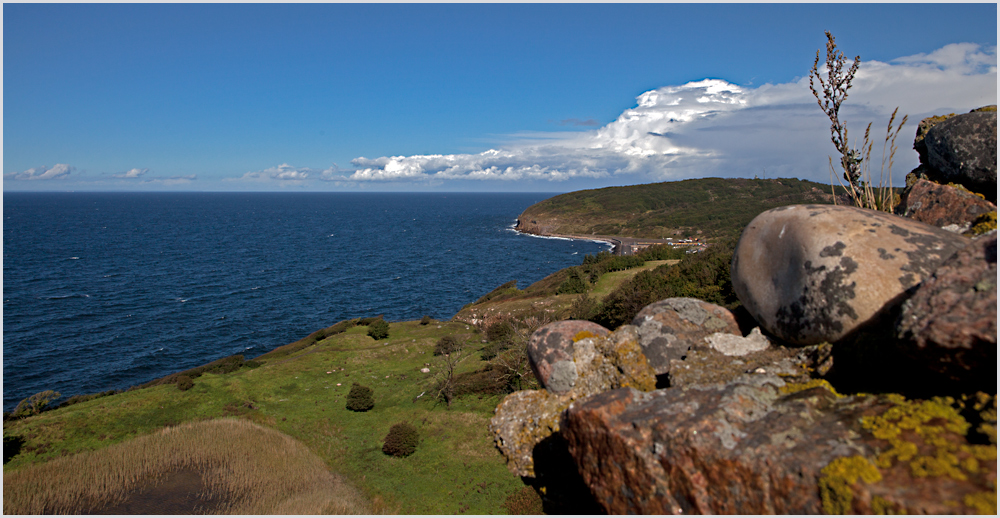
{"type": "Point", "coordinates": [58, 171]}
{"type": "Point", "coordinates": [285, 172]}
{"type": "Point", "coordinates": [715, 128]}
{"type": "Point", "coordinates": [131, 173]}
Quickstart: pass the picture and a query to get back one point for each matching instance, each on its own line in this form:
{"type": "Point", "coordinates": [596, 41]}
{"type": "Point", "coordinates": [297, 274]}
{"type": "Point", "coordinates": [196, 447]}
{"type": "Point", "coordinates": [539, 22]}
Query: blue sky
{"type": "Point", "coordinates": [467, 97]}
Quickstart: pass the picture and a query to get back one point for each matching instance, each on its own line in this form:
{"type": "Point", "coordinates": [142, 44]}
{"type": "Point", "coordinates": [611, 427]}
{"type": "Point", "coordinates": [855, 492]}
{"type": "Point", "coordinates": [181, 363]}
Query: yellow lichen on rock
{"type": "Point", "coordinates": [791, 388]}
{"type": "Point", "coordinates": [839, 476]}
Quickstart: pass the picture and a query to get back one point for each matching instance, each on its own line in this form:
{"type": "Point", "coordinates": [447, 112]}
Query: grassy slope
{"type": "Point", "coordinates": [716, 206]}
{"type": "Point", "coordinates": [455, 468]}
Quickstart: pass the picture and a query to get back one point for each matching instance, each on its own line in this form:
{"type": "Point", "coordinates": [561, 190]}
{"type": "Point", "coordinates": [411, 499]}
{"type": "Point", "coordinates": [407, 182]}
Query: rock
{"type": "Point", "coordinates": [964, 149]}
{"type": "Point", "coordinates": [942, 205]}
{"type": "Point", "coordinates": [949, 325]}
{"type": "Point", "coordinates": [736, 345]}
{"type": "Point", "coordinates": [760, 446]}
{"type": "Point", "coordinates": [668, 328]}
{"type": "Point", "coordinates": [923, 127]}
{"type": "Point", "coordinates": [599, 362]}
{"type": "Point", "coordinates": [550, 352]}
{"type": "Point", "coordinates": [705, 366]}
{"type": "Point", "coordinates": [814, 273]}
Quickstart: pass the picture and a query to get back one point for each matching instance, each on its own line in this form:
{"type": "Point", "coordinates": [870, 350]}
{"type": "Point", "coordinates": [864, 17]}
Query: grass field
{"type": "Point", "coordinates": [302, 394]}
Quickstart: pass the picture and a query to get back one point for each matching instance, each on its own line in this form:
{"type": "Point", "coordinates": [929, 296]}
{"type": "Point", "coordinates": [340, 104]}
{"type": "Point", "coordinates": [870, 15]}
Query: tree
{"type": "Point", "coordinates": [378, 329]}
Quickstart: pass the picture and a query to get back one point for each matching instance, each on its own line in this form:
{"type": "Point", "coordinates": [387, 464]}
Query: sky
{"type": "Point", "coordinates": [463, 97]}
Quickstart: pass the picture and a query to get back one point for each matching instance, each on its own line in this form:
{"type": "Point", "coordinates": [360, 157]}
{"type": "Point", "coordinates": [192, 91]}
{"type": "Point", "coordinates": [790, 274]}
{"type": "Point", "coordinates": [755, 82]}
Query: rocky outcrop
{"type": "Point", "coordinates": [943, 206]}
{"type": "Point", "coordinates": [958, 149]}
{"type": "Point", "coordinates": [760, 446]}
{"type": "Point", "coordinates": [949, 324]}
{"type": "Point", "coordinates": [814, 273]}
{"type": "Point", "coordinates": [597, 359]}
{"type": "Point", "coordinates": [964, 150]}
{"type": "Point", "coordinates": [668, 328]}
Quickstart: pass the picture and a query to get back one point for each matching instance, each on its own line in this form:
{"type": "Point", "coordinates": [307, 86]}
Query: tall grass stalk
{"type": "Point", "coordinates": [855, 162]}
{"type": "Point", "coordinates": [253, 469]}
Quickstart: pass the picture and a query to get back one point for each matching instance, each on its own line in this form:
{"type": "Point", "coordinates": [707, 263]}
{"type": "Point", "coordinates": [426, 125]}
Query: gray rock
{"type": "Point", "coordinates": [668, 328]}
{"type": "Point", "coordinates": [814, 273]}
{"type": "Point", "coordinates": [964, 150]}
{"type": "Point", "coordinates": [551, 351]}
{"type": "Point", "coordinates": [736, 345]}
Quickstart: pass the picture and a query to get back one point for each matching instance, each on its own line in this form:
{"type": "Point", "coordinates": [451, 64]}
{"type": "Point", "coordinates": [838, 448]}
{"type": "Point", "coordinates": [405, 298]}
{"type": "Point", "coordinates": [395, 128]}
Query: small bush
{"type": "Point", "coordinates": [500, 331]}
{"type": "Point", "coordinates": [360, 399]}
{"type": "Point", "coordinates": [378, 329]}
{"type": "Point", "coordinates": [575, 283]}
{"type": "Point", "coordinates": [447, 345]}
{"type": "Point", "coordinates": [184, 382]}
{"type": "Point", "coordinates": [426, 320]}
{"type": "Point", "coordinates": [492, 349]}
{"type": "Point", "coordinates": [35, 404]}
{"type": "Point", "coordinates": [401, 440]}
{"type": "Point", "coordinates": [368, 321]}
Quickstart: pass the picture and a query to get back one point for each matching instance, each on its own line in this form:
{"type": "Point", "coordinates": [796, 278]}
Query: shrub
{"type": "Point", "coordinates": [574, 284]}
{"type": "Point", "coordinates": [368, 321]}
{"type": "Point", "coordinates": [35, 404]}
{"type": "Point", "coordinates": [447, 345]}
{"type": "Point", "coordinates": [500, 331]}
{"type": "Point", "coordinates": [359, 399]}
{"type": "Point", "coordinates": [378, 329]}
{"type": "Point", "coordinates": [584, 308]}
{"type": "Point", "coordinates": [426, 320]}
{"type": "Point", "coordinates": [401, 440]}
{"type": "Point", "coordinates": [184, 382]}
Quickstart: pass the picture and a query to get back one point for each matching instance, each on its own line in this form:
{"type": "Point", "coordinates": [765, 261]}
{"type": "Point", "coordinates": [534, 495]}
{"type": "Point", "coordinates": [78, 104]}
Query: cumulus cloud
{"type": "Point", "coordinates": [58, 171]}
{"type": "Point", "coordinates": [714, 128]}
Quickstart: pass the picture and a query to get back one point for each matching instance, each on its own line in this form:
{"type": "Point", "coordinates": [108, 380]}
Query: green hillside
{"type": "Point", "coordinates": [706, 207]}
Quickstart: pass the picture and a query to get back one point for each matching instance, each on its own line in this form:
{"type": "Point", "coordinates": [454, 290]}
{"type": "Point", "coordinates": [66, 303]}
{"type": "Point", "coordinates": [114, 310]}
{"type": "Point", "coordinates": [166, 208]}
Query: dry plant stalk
{"type": "Point", "coordinates": [255, 470]}
{"type": "Point", "coordinates": [856, 163]}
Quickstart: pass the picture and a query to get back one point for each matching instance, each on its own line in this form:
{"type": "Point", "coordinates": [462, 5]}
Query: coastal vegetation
{"type": "Point", "coordinates": [708, 208]}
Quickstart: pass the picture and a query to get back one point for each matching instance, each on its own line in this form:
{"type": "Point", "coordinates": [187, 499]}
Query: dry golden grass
{"type": "Point", "coordinates": [250, 468]}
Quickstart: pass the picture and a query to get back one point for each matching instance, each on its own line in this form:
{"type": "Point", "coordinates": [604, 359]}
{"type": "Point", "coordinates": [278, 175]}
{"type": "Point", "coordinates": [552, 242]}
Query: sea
{"type": "Point", "coordinates": [104, 291]}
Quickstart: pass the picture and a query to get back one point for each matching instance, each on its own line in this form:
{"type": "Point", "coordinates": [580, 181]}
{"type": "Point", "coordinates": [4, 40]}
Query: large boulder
{"type": "Point", "coordinates": [964, 150]}
{"type": "Point", "coordinates": [668, 328]}
{"type": "Point", "coordinates": [815, 273]}
{"type": "Point", "coordinates": [597, 361]}
{"type": "Point", "coordinates": [942, 205]}
{"type": "Point", "coordinates": [760, 446]}
{"type": "Point", "coordinates": [949, 325]}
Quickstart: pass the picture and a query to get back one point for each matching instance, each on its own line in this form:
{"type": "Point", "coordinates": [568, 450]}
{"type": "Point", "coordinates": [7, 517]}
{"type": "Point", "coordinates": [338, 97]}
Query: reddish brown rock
{"type": "Point", "coordinates": [668, 328]}
{"type": "Point", "coordinates": [748, 448]}
{"type": "Point", "coordinates": [942, 205]}
{"type": "Point", "coordinates": [949, 325]}
{"type": "Point", "coordinates": [815, 273]}
{"type": "Point", "coordinates": [550, 352]}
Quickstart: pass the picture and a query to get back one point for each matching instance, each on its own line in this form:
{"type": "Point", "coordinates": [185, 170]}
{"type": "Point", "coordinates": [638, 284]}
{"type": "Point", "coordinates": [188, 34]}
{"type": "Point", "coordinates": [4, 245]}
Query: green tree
{"type": "Point", "coordinates": [360, 399]}
{"type": "Point", "coordinates": [35, 404]}
{"type": "Point", "coordinates": [378, 329]}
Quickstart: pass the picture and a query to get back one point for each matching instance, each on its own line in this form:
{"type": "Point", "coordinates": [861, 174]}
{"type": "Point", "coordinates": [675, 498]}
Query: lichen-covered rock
{"type": "Point", "coordinates": [760, 446]}
{"type": "Point", "coordinates": [949, 325]}
{"type": "Point", "coordinates": [736, 345]}
{"type": "Point", "coordinates": [942, 205]}
{"type": "Point", "coordinates": [598, 363]}
{"type": "Point", "coordinates": [668, 328]}
{"type": "Point", "coordinates": [551, 350]}
{"type": "Point", "coordinates": [923, 127]}
{"type": "Point", "coordinates": [706, 365]}
{"type": "Point", "coordinates": [964, 149]}
{"type": "Point", "coordinates": [814, 273]}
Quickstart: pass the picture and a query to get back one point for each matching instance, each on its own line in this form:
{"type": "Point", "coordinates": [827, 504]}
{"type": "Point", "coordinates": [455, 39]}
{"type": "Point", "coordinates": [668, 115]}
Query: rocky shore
{"type": "Point", "coordinates": [868, 385]}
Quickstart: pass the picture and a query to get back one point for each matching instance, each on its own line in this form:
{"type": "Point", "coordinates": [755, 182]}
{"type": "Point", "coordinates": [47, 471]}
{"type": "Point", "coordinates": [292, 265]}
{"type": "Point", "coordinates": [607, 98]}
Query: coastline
{"type": "Point", "coordinates": [620, 245]}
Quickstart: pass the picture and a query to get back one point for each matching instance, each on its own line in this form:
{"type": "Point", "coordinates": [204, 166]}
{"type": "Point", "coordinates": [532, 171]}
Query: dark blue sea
{"type": "Point", "coordinates": [109, 290]}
